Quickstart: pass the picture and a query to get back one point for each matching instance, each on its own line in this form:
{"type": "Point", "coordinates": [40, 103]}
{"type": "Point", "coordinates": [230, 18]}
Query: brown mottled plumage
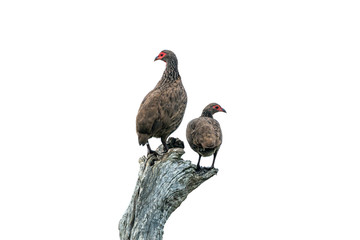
{"type": "Point", "coordinates": [163, 108]}
{"type": "Point", "coordinates": [204, 133]}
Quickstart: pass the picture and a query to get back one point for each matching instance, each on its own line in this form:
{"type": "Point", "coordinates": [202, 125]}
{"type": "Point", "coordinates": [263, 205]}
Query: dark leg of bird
{"type": "Point", "coordinates": [163, 141]}
{"type": "Point", "coordinates": [212, 165]}
{"type": "Point", "coordinates": [198, 165]}
{"type": "Point", "coordinates": [149, 150]}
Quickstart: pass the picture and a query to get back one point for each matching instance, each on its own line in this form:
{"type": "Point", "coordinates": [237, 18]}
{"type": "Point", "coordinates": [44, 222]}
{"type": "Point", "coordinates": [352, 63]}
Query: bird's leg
{"type": "Point", "coordinates": [149, 150]}
{"type": "Point", "coordinates": [198, 164]}
{"type": "Point", "coordinates": [215, 153]}
{"type": "Point", "coordinates": [163, 141]}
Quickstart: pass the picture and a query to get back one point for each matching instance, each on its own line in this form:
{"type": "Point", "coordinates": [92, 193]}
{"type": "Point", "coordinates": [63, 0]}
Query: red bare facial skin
{"type": "Point", "coordinates": [218, 108]}
{"type": "Point", "coordinates": [160, 56]}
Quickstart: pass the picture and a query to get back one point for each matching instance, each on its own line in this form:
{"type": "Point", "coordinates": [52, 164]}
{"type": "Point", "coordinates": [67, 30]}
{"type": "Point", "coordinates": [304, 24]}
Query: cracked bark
{"type": "Point", "coordinates": [163, 184]}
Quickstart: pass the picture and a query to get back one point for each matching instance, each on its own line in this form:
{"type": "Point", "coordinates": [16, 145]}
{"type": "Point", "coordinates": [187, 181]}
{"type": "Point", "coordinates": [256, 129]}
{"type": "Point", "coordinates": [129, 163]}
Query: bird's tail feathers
{"type": "Point", "coordinates": [143, 138]}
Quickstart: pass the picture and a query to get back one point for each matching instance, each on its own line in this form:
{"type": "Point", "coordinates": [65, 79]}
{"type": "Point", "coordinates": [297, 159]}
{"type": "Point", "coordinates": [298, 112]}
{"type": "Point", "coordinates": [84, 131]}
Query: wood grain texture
{"type": "Point", "coordinates": [162, 185]}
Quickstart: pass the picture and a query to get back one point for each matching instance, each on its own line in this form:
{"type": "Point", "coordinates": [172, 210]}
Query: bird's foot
{"type": "Point", "coordinates": [175, 143]}
{"type": "Point", "coordinates": [152, 156]}
{"type": "Point", "coordinates": [152, 152]}
{"type": "Point", "coordinates": [205, 168]}
{"type": "Point", "coordinates": [152, 161]}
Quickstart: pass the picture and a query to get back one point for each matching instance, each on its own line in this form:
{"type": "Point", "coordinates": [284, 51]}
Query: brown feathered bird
{"type": "Point", "coordinates": [163, 108]}
{"type": "Point", "coordinates": [204, 133]}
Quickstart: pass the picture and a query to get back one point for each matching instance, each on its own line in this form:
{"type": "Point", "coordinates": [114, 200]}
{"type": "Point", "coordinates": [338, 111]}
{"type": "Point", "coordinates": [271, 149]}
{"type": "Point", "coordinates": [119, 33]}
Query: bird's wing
{"type": "Point", "coordinates": [172, 104]}
{"type": "Point", "coordinates": [148, 114]}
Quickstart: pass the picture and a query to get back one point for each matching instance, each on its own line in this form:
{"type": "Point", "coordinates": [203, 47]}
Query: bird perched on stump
{"type": "Point", "coordinates": [163, 108]}
{"type": "Point", "coordinates": [204, 133]}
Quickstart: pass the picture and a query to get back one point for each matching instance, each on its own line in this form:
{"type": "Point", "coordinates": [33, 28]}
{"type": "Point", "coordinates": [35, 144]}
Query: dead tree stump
{"type": "Point", "coordinates": [163, 184]}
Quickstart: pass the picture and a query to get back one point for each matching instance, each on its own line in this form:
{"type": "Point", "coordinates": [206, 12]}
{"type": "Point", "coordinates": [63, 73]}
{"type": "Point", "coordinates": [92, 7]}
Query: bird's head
{"type": "Point", "coordinates": [212, 108]}
{"type": "Point", "coordinates": [165, 56]}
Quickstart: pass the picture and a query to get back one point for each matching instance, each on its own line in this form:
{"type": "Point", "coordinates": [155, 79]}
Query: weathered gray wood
{"type": "Point", "coordinates": [161, 187]}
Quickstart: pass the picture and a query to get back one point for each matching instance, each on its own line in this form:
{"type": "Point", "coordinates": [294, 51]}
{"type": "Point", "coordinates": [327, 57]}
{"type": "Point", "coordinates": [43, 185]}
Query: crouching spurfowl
{"type": "Point", "coordinates": [163, 108]}
{"type": "Point", "coordinates": [204, 133]}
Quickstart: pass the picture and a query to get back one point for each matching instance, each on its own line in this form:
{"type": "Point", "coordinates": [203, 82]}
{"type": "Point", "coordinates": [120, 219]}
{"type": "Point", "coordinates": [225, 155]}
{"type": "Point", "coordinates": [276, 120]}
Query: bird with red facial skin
{"type": "Point", "coordinates": [163, 108]}
{"type": "Point", "coordinates": [204, 133]}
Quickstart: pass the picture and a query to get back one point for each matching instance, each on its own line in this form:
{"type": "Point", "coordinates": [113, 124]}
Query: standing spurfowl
{"type": "Point", "coordinates": [204, 133]}
{"type": "Point", "coordinates": [162, 109]}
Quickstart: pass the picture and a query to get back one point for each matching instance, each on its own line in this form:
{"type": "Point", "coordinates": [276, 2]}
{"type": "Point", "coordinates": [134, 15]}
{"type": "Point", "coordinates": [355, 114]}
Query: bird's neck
{"type": "Point", "coordinates": [171, 72]}
{"type": "Point", "coordinates": [206, 114]}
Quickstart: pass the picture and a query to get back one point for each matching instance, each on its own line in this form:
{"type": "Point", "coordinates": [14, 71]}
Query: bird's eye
{"type": "Point", "coordinates": [161, 55]}
{"type": "Point", "coordinates": [217, 107]}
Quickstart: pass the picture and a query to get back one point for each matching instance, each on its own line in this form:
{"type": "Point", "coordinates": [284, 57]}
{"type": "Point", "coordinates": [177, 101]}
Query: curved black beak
{"type": "Point", "coordinates": [223, 110]}
{"type": "Point", "coordinates": [156, 58]}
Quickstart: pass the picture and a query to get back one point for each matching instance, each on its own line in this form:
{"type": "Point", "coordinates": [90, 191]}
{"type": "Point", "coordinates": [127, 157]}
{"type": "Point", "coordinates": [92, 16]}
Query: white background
{"type": "Point", "coordinates": [73, 74]}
